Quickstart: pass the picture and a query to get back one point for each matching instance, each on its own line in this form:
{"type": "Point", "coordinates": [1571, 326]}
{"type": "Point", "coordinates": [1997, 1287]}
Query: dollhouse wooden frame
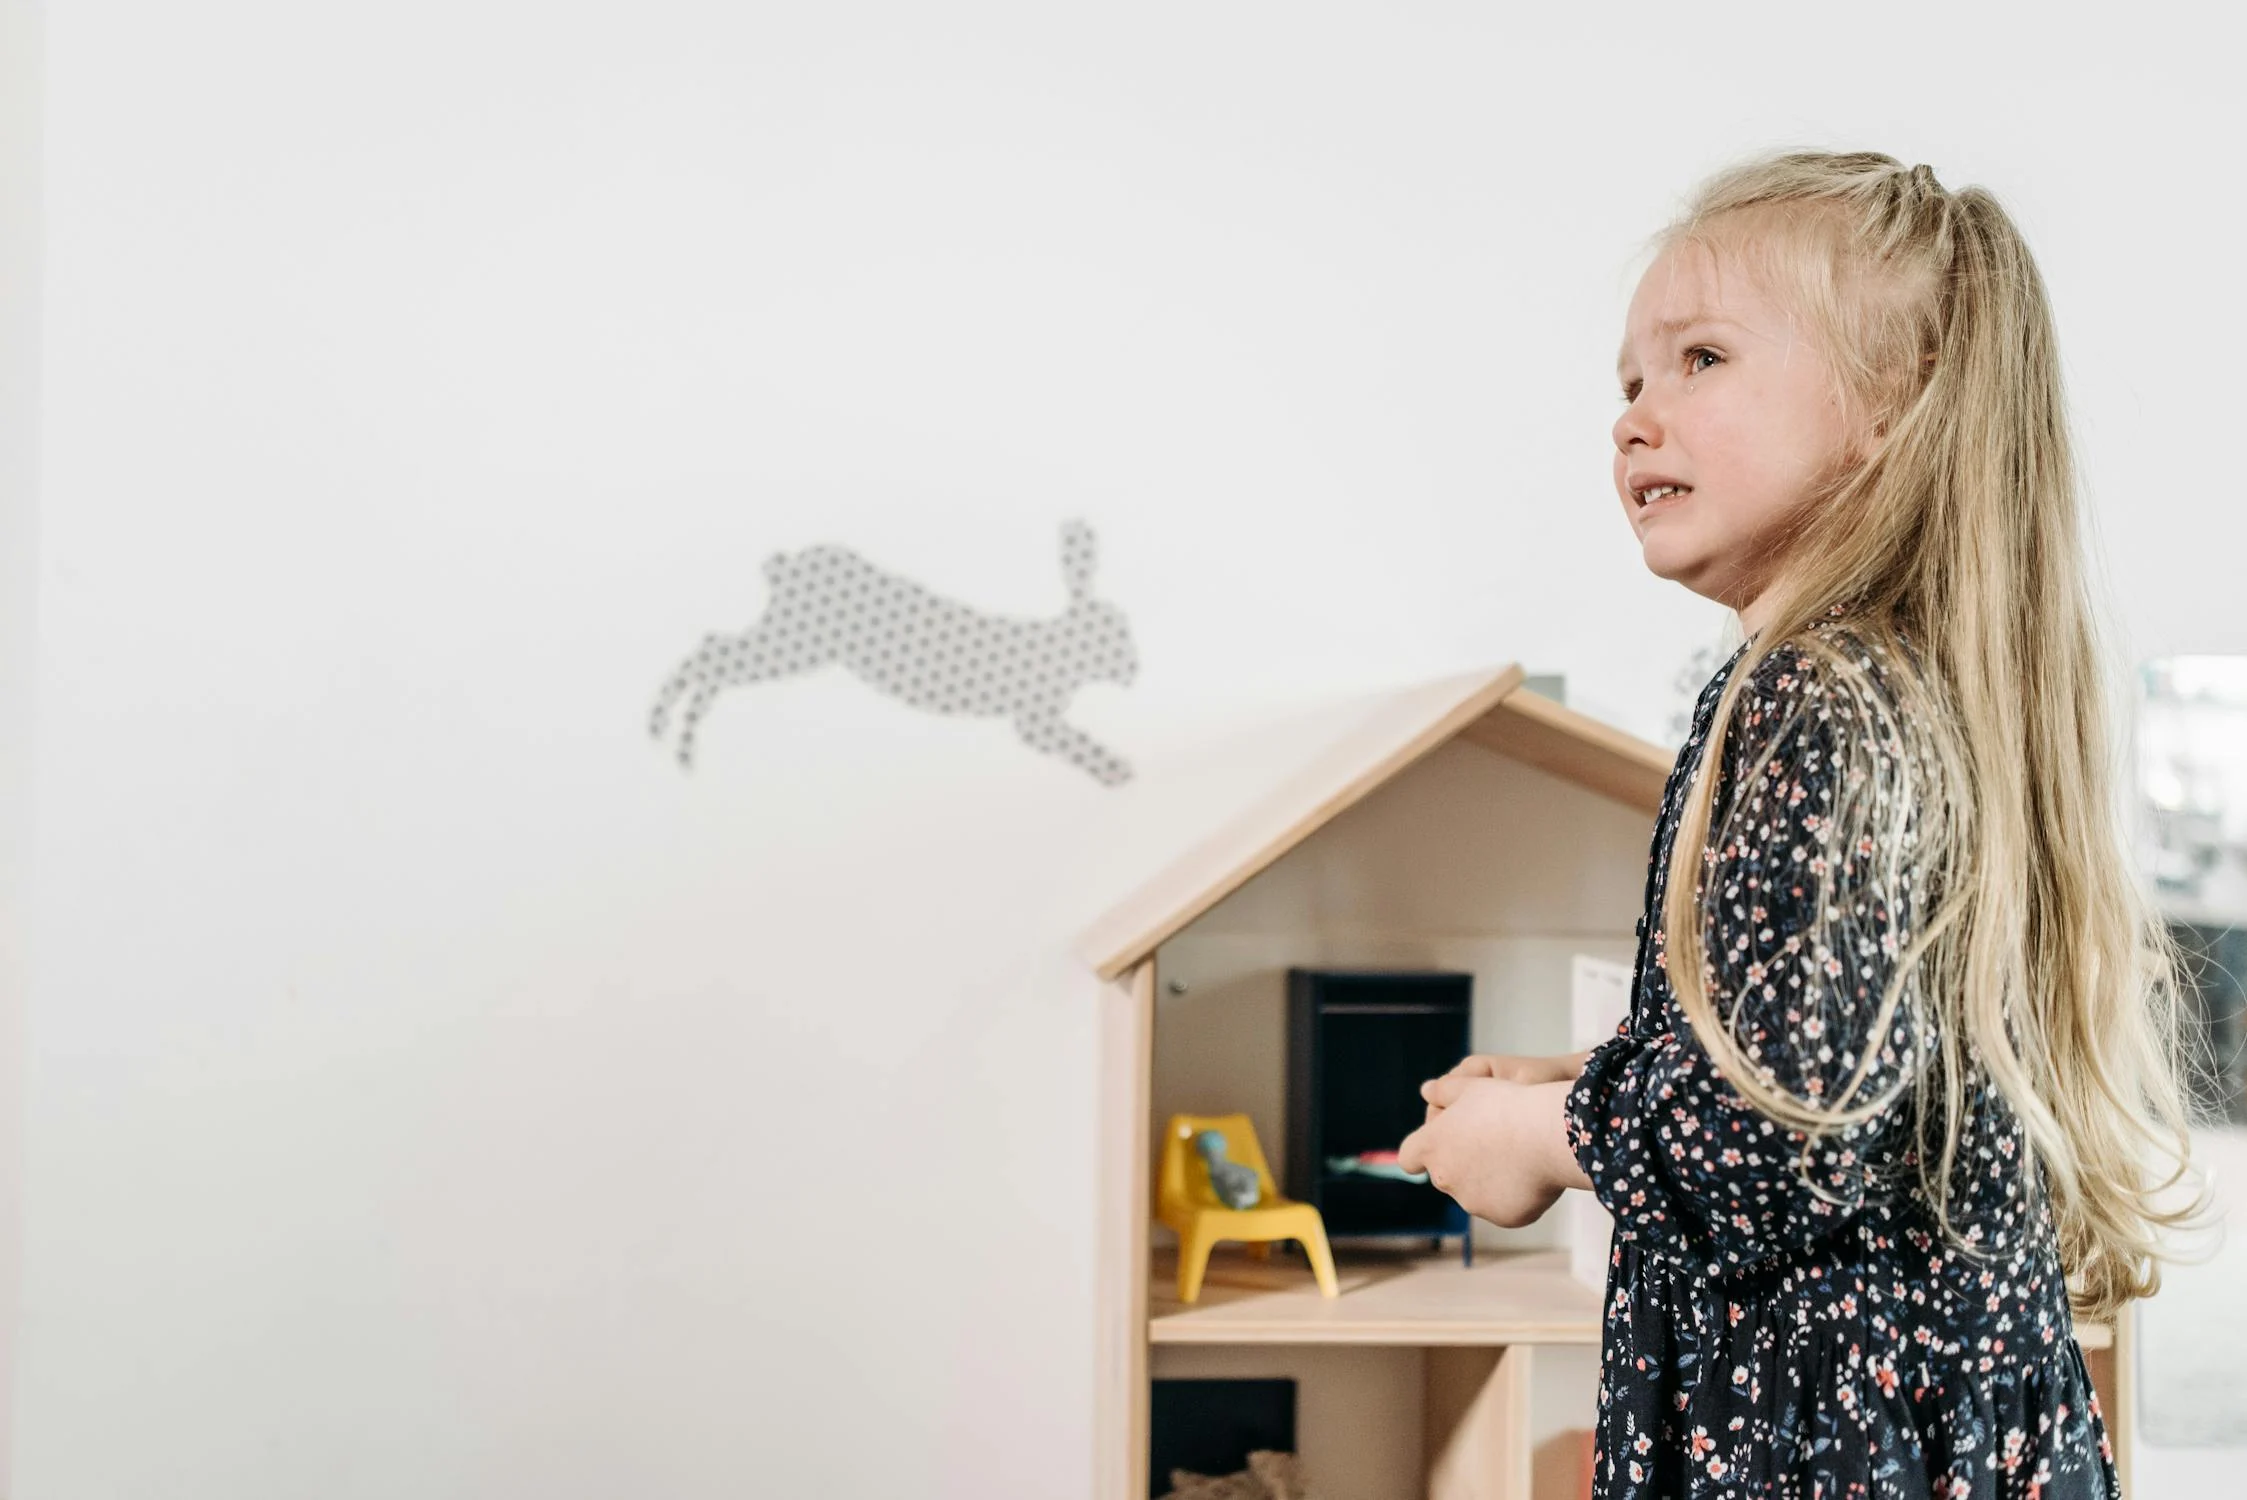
{"type": "Point", "coordinates": [1570, 801]}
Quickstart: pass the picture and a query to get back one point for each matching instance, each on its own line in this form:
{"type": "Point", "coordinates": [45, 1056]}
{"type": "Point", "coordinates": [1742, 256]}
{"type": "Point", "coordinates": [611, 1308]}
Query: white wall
{"type": "Point", "coordinates": [19, 472]}
{"type": "Point", "coordinates": [431, 1091]}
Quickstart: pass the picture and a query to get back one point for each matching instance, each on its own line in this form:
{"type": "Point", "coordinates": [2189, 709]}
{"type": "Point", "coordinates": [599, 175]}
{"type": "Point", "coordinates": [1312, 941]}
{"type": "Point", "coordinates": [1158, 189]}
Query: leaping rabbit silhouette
{"type": "Point", "coordinates": [830, 605]}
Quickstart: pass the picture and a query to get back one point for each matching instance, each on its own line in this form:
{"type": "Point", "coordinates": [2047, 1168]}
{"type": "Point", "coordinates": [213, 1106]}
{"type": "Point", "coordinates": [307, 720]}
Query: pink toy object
{"type": "Point", "coordinates": [1372, 1164]}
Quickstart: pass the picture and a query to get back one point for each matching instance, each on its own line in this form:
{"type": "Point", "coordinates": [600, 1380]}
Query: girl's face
{"type": "Point", "coordinates": [1727, 398]}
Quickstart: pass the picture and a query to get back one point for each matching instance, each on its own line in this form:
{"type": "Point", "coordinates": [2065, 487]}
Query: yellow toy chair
{"type": "Point", "coordinates": [1186, 1202]}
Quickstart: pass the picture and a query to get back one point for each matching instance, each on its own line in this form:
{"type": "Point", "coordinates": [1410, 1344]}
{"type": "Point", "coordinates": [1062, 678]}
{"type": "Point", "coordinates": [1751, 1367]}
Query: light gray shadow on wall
{"type": "Point", "coordinates": [829, 606]}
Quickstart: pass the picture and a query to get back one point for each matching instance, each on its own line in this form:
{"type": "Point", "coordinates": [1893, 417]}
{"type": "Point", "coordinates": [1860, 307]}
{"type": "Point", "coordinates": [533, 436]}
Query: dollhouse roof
{"type": "Point", "coordinates": [1489, 708]}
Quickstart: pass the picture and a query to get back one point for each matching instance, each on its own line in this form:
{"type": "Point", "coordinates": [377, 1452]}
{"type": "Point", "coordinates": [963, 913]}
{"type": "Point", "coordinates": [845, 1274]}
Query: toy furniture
{"type": "Point", "coordinates": [1467, 825]}
{"type": "Point", "coordinates": [1358, 1046]}
{"type": "Point", "coordinates": [1186, 1201]}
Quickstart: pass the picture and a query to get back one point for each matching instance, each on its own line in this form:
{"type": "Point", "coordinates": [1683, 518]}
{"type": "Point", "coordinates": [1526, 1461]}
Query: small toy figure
{"type": "Point", "coordinates": [1235, 1185]}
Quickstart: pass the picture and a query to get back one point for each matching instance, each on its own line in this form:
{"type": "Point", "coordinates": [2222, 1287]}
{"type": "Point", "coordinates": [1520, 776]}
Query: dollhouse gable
{"type": "Point", "coordinates": [1488, 708]}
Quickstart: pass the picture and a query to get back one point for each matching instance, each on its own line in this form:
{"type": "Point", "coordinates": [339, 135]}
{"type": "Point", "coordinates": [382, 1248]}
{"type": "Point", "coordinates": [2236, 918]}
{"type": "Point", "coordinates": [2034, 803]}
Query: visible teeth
{"type": "Point", "coordinates": [1648, 497]}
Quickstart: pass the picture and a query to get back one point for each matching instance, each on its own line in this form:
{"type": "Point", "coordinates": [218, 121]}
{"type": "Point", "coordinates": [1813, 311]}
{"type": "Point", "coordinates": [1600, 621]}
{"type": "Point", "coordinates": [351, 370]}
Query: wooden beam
{"type": "Point", "coordinates": [1477, 1404]}
{"type": "Point", "coordinates": [1120, 1390]}
{"type": "Point", "coordinates": [1535, 730]}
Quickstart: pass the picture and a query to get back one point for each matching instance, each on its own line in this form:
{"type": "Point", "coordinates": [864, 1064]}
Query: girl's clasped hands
{"type": "Point", "coordinates": [1496, 1136]}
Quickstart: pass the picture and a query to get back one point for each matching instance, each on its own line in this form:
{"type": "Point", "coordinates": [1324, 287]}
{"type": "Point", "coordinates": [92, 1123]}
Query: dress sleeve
{"type": "Point", "coordinates": [1807, 883]}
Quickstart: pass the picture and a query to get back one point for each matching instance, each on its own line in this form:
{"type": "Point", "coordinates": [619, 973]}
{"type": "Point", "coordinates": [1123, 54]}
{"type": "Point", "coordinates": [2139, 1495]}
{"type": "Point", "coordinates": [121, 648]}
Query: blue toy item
{"type": "Point", "coordinates": [1235, 1185]}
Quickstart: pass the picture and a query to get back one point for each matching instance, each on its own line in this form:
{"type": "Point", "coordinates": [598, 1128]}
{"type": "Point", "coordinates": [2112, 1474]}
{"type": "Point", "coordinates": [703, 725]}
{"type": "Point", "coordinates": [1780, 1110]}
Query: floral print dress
{"type": "Point", "coordinates": [1783, 1321]}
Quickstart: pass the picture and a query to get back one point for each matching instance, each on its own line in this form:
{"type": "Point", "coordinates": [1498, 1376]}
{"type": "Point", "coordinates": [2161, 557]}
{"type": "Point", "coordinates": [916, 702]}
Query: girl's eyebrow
{"type": "Point", "coordinates": [1670, 326]}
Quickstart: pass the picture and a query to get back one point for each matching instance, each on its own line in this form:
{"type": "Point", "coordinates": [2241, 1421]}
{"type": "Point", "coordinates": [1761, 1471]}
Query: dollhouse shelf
{"type": "Point", "coordinates": [1416, 1300]}
{"type": "Point", "coordinates": [1413, 1301]}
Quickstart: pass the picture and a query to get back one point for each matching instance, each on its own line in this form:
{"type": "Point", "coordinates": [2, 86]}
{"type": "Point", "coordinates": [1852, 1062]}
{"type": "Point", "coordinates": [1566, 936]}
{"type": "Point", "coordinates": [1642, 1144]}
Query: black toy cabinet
{"type": "Point", "coordinates": [1359, 1044]}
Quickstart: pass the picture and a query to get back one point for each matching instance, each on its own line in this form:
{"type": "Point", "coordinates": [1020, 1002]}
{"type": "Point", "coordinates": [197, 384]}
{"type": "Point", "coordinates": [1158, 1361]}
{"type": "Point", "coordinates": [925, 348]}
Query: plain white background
{"type": "Point", "coordinates": [432, 1092]}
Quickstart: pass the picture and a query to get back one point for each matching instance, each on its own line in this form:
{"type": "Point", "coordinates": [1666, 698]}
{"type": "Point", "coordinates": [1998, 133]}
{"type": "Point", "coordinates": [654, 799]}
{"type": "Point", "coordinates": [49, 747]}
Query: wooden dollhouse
{"type": "Point", "coordinates": [1469, 827]}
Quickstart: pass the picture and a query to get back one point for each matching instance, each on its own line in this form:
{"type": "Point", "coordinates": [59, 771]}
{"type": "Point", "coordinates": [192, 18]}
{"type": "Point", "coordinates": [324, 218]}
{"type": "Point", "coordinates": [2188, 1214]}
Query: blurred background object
{"type": "Point", "coordinates": [2192, 840]}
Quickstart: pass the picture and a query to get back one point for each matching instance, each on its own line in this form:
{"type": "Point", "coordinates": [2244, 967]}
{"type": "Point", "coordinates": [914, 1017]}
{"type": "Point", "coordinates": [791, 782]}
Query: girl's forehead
{"type": "Point", "coordinates": [1691, 282]}
{"type": "Point", "coordinates": [1692, 275]}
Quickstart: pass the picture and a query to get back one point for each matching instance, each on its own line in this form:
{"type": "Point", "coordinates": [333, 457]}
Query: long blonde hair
{"type": "Point", "coordinates": [2044, 965]}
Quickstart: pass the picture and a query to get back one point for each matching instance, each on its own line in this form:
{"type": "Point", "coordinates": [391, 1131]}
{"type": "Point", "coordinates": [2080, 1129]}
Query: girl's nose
{"type": "Point", "coordinates": [1637, 424]}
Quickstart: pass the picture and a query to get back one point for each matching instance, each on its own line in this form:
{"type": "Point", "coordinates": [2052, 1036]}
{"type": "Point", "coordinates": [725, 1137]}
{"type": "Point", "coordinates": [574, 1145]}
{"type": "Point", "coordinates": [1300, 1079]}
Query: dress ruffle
{"type": "Point", "coordinates": [1750, 1390]}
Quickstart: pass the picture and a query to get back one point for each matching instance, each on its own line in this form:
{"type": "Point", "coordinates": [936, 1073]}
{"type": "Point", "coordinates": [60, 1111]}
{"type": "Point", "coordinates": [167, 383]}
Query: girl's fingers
{"type": "Point", "coordinates": [1444, 1092]}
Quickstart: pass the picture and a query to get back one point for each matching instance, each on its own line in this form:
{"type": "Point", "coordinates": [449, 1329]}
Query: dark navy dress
{"type": "Point", "coordinates": [1783, 1322]}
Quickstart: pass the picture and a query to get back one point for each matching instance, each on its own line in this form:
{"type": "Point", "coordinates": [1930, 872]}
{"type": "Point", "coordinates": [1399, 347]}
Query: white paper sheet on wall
{"type": "Point", "coordinates": [1599, 999]}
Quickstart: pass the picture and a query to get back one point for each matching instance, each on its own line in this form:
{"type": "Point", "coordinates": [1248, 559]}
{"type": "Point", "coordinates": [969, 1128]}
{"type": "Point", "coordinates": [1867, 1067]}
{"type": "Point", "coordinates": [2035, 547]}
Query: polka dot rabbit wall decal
{"type": "Point", "coordinates": [1690, 679]}
{"type": "Point", "coordinates": [829, 606]}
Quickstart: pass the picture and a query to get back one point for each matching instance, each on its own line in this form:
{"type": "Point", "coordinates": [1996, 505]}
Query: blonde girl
{"type": "Point", "coordinates": [1898, 1074]}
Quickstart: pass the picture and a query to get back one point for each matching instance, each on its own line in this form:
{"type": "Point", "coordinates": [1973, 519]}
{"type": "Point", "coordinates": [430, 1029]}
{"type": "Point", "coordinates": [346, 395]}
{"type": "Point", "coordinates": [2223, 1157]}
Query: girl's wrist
{"type": "Point", "coordinates": [1573, 1065]}
{"type": "Point", "coordinates": [1556, 1161]}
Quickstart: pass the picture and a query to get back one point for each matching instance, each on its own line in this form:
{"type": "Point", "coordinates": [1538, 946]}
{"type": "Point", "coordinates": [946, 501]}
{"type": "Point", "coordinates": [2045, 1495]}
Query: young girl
{"type": "Point", "coordinates": [1898, 1066]}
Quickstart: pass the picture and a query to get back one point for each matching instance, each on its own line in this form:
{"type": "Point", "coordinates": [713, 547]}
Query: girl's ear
{"type": "Point", "coordinates": [1871, 439]}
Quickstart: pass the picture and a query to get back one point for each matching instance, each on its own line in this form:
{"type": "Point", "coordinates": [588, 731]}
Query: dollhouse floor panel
{"type": "Point", "coordinates": [1414, 1299]}
{"type": "Point", "coordinates": [1409, 1299]}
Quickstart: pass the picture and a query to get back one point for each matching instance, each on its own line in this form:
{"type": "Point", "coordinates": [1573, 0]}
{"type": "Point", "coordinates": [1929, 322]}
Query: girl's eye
{"type": "Point", "coordinates": [1693, 367]}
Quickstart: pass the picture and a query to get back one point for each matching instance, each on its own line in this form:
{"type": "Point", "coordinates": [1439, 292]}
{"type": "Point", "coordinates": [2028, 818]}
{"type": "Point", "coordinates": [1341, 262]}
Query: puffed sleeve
{"type": "Point", "coordinates": [1808, 879]}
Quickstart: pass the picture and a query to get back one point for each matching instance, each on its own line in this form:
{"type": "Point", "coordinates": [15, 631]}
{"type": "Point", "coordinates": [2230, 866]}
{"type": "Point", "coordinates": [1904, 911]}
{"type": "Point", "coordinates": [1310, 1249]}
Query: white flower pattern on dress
{"type": "Point", "coordinates": [1783, 1318]}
